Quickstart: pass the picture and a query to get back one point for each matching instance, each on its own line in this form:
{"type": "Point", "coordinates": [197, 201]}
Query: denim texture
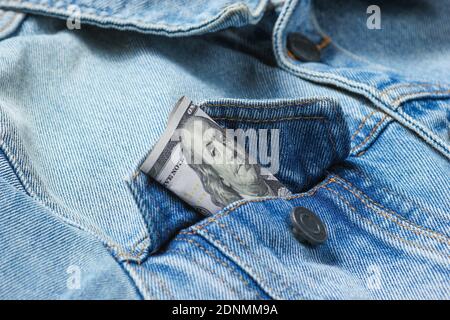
{"type": "Point", "coordinates": [364, 144]}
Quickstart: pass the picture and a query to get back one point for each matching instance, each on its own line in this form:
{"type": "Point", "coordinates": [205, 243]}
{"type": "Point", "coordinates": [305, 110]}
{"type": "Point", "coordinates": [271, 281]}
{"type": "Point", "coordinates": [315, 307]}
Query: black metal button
{"type": "Point", "coordinates": [302, 48]}
{"type": "Point", "coordinates": [307, 227]}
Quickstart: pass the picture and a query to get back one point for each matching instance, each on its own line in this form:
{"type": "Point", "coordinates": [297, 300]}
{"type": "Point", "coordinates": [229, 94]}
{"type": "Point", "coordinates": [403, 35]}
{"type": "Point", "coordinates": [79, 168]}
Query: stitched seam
{"type": "Point", "coordinates": [270, 120]}
{"type": "Point", "coordinates": [421, 131]}
{"type": "Point", "coordinates": [233, 234]}
{"type": "Point", "coordinates": [382, 93]}
{"type": "Point", "coordinates": [430, 135]}
{"type": "Point", "coordinates": [270, 105]}
{"type": "Point", "coordinates": [286, 286]}
{"type": "Point", "coordinates": [220, 261]}
{"type": "Point", "coordinates": [220, 17]}
{"type": "Point", "coordinates": [210, 271]}
{"type": "Point", "coordinates": [312, 192]}
{"type": "Point", "coordinates": [409, 242]}
{"type": "Point", "coordinates": [374, 129]}
{"type": "Point", "coordinates": [134, 256]}
{"type": "Point", "coordinates": [361, 153]}
{"type": "Point", "coordinates": [389, 214]}
{"type": "Point", "coordinates": [326, 40]}
{"type": "Point", "coordinates": [226, 212]}
{"type": "Point", "coordinates": [361, 125]}
{"type": "Point", "coordinates": [370, 92]}
{"type": "Point", "coordinates": [280, 24]}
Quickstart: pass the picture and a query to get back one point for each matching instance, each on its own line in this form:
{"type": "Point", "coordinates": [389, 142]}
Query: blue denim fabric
{"type": "Point", "coordinates": [364, 144]}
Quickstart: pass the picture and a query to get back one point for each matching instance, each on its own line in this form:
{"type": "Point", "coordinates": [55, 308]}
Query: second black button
{"type": "Point", "coordinates": [302, 48]}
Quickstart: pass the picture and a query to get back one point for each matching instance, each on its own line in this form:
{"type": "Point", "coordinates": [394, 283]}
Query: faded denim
{"type": "Point", "coordinates": [364, 144]}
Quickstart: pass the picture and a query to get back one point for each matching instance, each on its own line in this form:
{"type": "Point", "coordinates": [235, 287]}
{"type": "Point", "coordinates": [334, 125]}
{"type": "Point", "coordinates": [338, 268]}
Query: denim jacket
{"type": "Point", "coordinates": [364, 144]}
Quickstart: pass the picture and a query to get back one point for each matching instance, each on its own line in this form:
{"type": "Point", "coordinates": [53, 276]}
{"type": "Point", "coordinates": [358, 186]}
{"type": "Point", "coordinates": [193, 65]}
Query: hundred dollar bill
{"type": "Point", "coordinates": [198, 161]}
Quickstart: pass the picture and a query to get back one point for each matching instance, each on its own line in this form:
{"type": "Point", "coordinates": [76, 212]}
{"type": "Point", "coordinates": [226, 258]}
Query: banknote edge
{"type": "Point", "coordinates": [173, 120]}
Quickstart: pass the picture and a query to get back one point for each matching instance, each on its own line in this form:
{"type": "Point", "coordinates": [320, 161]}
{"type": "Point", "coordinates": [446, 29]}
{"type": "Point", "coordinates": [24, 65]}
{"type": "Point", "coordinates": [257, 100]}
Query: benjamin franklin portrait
{"type": "Point", "coordinates": [223, 169]}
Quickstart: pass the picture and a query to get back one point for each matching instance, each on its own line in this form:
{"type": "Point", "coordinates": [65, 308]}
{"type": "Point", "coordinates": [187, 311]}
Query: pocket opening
{"type": "Point", "coordinates": [313, 136]}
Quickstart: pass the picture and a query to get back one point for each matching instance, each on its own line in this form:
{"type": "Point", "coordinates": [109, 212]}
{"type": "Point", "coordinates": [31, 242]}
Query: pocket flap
{"type": "Point", "coordinates": [170, 17]}
{"type": "Point", "coordinates": [311, 136]}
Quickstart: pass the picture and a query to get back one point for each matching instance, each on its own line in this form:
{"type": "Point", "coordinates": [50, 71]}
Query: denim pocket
{"type": "Point", "coordinates": [312, 136]}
